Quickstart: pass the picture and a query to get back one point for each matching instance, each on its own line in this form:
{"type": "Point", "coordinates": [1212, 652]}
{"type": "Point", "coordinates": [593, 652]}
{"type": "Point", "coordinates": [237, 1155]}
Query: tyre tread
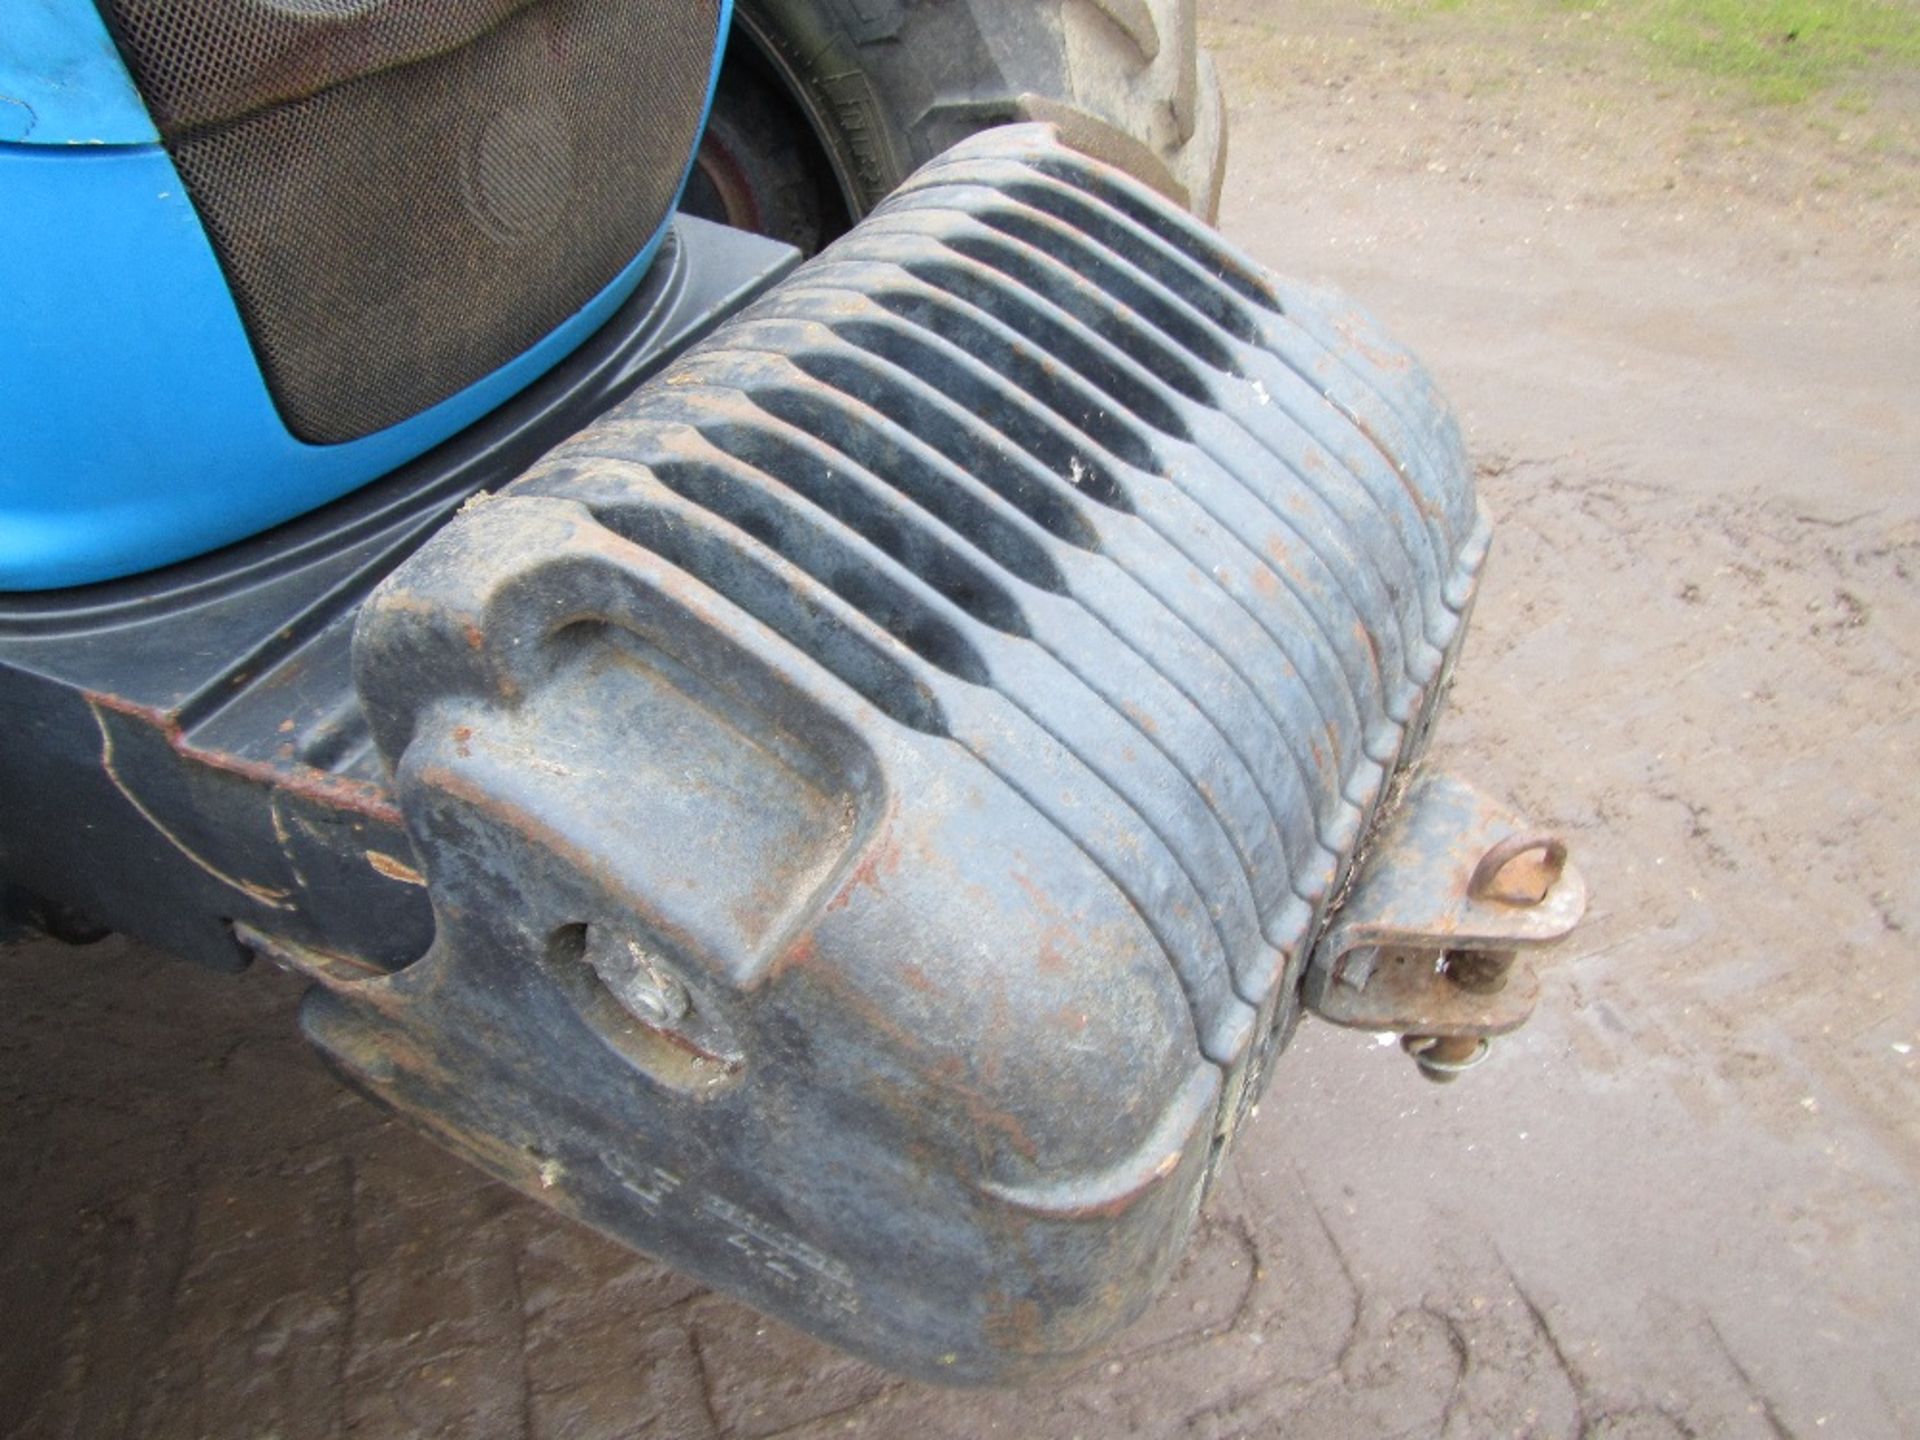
{"type": "Point", "coordinates": [890, 84]}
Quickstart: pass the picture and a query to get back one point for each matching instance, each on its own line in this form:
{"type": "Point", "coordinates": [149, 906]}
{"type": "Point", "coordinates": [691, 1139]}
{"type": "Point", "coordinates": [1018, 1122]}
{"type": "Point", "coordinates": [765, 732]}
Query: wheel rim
{"type": "Point", "coordinates": [732, 192]}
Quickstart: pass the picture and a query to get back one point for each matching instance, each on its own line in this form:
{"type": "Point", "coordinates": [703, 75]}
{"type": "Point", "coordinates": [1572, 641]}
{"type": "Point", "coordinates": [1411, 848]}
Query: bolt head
{"type": "Point", "coordinates": [660, 999]}
{"type": "Point", "coordinates": [637, 978]}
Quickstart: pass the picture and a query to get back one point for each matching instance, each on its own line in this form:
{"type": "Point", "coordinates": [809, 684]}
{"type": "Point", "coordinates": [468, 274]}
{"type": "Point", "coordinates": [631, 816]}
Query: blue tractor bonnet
{"type": "Point", "coordinates": [141, 425]}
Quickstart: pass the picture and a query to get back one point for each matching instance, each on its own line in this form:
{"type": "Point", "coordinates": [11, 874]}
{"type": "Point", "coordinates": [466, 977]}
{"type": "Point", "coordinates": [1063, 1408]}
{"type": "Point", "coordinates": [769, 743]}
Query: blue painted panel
{"type": "Point", "coordinates": [135, 426]}
{"type": "Point", "coordinates": [138, 428]}
{"type": "Point", "coordinates": [62, 81]}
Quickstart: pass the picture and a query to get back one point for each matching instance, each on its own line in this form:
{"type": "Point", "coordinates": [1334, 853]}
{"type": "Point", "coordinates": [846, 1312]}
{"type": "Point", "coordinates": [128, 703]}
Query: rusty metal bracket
{"type": "Point", "coordinates": [1453, 887]}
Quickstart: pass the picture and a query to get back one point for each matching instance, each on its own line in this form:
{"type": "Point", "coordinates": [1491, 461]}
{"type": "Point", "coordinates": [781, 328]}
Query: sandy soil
{"type": "Point", "coordinates": [1685, 340]}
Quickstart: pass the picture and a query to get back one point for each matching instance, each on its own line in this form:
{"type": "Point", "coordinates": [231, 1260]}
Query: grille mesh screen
{"type": "Point", "coordinates": [405, 194]}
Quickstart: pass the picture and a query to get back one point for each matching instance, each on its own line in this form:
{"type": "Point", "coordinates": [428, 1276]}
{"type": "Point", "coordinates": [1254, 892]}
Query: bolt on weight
{"type": "Point", "coordinates": [637, 977]}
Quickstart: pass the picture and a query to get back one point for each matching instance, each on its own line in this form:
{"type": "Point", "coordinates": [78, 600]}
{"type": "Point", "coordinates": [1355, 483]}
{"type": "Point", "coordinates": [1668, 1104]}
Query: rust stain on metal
{"type": "Point", "coordinates": [332, 969]}
{"type": "Point", "coordinates": [951, 1074]}
{"type": "Point", "coordinates": [1347, 326]}
{"type": "Point", "coordinates": [395, 869]}
{"type": "Point", "coordinates": [1422, 499]}
{"type": "Point", "coordinates": [1037, 893]}
{"type": "Point", "coordinates": [1018, 1328]}
{"type": "Point", "coordinates": [272, 896]}
{"type": "Point", "coordinates": [1288, 564]}
{"type": "Point", "coordinates": [802, 953]}
{"type": "Point", "coordinates": [322, 787]}
{"type": "Point", "coordinates": [1048, 959]}
{"type": "Point", "coordinates": [1119, 1202]}
{"type": "Point", "coordinates": [882, 859]}
{"type": "Point", "coordinates": [1367, 640]}
{"type": "Point", "coordinates": [855, 998]}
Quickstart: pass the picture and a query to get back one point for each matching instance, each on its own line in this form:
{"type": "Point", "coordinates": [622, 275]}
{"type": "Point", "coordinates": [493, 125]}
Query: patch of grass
{"type": "Point", "coordinates": [1781, 51]}
{"type": "Point", "coordinates": [1784, 50]}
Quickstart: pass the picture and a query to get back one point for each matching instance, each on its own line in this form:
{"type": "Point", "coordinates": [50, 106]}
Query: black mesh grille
{"type": "Point", "coordinates": [407, 193]}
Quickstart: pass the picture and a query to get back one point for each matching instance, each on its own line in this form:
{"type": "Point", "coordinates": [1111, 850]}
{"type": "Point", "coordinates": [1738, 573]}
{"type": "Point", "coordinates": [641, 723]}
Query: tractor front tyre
{"type": "Point", "coordinates": [881, 87]}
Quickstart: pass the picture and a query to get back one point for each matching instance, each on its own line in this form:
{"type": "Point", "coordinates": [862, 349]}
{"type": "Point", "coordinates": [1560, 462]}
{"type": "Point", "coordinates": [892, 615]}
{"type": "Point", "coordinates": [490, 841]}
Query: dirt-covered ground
{"type": "Point", "coordinates": [1684, 336]}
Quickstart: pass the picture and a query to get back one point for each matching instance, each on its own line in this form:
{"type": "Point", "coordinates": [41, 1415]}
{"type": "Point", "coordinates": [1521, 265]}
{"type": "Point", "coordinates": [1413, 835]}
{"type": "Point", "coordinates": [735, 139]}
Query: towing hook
{"type": "Point", "coordinates": [1502, 876]}
{"type": "Point", "coordinates": [1428, 945]}
{"type": "Point", "coordinates": [1519, 870]}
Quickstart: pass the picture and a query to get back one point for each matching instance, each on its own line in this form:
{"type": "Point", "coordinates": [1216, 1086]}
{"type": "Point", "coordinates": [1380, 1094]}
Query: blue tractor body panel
{"type": "Point", "coordinates": [138, 426]}
{"type": "Point", "coordinates": [62, 81]}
